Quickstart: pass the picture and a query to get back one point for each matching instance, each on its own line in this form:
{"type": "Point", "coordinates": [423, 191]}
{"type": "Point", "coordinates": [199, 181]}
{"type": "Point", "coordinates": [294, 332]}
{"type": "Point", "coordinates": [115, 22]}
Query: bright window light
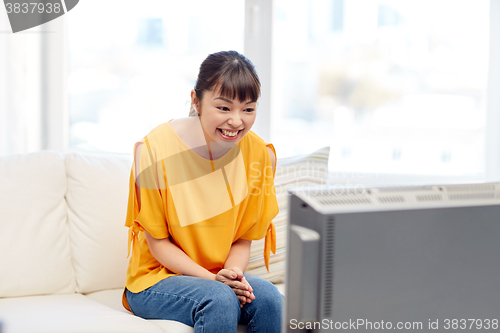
{"type": "Point", "coordinates": [133, 64]}
{"type": "Point", "coordinates": [391, 86]}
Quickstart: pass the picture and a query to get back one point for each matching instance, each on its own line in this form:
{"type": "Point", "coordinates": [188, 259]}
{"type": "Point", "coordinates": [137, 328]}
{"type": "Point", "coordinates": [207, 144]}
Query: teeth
{"type": "Point", "coordinates": [228, 133]}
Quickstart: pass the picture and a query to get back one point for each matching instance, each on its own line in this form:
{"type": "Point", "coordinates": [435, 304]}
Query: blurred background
{"type": "Point", "coordinates": [403, 91]}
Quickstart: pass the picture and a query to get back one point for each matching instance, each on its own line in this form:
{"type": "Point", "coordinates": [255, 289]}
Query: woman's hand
{"type": "Point", "coordinates": [234, 278]}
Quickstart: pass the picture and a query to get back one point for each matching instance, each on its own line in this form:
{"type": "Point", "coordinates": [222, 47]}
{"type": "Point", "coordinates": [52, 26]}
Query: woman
{"type": "Point", "coordinates": [201, 189]}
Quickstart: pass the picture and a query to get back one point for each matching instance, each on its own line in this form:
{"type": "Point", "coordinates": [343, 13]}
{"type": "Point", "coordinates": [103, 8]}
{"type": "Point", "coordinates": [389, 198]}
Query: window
{"type": "Point", "coordinates": [133, 64]}
{"type": "Point", "coordinates": [394, 87]}
{"type": "Point", "coordinates": [399, 88]}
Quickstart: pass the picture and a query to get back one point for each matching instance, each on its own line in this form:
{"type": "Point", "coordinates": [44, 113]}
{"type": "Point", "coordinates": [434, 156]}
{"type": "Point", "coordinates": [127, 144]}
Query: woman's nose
{"type": "Point", "coordinates": [235, 120]}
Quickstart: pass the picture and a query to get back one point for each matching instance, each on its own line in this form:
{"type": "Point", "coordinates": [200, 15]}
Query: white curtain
{"type": "Point", "coordinates": [32, 89]}
{"type": "Point", "coordinates": [20, 89]}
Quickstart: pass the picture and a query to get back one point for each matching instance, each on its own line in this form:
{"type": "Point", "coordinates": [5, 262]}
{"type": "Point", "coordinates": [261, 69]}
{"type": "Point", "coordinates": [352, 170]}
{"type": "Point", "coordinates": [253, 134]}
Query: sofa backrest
{"type": "Point", "coordinates": [96, 195]}
{"type": "Point", "coordinates": [34, 236]}
{"type": "Point", "coordinates": [62, 221]}
{"type": "Point", "coordinates": [296, 171]}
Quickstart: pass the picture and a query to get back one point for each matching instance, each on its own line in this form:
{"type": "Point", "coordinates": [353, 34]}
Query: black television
{"type": "Point", "coordinates": [420, 258]}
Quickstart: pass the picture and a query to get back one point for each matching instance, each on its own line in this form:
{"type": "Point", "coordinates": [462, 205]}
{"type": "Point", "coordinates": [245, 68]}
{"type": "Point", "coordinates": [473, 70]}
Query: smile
{"type": "Point", "coordinates": [228, 134]}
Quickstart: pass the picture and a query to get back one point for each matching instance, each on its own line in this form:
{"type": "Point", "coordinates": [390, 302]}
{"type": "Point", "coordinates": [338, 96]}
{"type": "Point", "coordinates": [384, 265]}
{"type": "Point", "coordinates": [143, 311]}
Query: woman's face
{"type": "Point", "coordinates": [223, 119]}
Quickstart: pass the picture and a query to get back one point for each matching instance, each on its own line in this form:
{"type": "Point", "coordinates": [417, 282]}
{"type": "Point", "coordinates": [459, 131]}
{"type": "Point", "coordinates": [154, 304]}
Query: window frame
{"type": "Point", "coordinates": [492, 137]}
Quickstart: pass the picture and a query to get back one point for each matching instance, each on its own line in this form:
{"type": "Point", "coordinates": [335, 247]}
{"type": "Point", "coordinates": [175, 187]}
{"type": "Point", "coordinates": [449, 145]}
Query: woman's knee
{"type": "Point", "coordinates": [272, 301]}
{"type": "Point", "coordinates": [218, 309]}
{"type": "Point", "coordinates": [267, 292]}
{"type": "Point", "coordinates": [222, 300]}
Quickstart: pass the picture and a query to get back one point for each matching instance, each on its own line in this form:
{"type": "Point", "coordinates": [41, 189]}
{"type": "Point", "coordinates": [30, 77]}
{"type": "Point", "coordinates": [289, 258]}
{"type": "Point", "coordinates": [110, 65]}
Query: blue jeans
{"type": "Point", "coordinates": [209, 306]}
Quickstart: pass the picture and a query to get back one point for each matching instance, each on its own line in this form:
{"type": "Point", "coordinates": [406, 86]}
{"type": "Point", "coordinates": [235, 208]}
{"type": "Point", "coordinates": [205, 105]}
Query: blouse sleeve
{"type": "Point", "coordinates": [269, 210]}
{"type": "Point", "coordinates": [145, 210]}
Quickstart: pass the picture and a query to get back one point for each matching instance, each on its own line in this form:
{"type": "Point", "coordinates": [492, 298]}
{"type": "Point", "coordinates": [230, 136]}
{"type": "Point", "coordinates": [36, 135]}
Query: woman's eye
{"type": "Point", "coordinates": [249, 110]}
{"type": "Point", "coordinates": [223, 108]}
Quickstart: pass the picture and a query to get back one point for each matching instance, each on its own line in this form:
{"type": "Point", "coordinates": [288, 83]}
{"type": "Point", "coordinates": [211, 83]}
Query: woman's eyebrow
{"type": "Point", "coordinates": [224, 99]}
{"type": "Point", "coordinates": [231, 102]}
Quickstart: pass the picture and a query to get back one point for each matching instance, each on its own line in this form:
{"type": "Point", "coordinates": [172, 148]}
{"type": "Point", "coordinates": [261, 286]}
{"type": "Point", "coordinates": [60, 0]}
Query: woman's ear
{"type": "Point", "coordinates": [195, 101]}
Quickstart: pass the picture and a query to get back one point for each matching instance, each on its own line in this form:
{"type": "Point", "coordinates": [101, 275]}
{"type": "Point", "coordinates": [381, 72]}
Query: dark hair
{"type": "Point", "coordinates": [231, 74]}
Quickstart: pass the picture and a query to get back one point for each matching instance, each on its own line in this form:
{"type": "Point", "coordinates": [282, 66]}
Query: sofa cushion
{"type": "Point", "coordinates": [296, 171]}
{"type": "Point", "coordinates": [97, 204]}
{"type": "Point", "coordinates": [67, 314]}
{"type": "Point", "coordinates": [113, 299]}
{"type": "Point", "coordinates": [34, 242]}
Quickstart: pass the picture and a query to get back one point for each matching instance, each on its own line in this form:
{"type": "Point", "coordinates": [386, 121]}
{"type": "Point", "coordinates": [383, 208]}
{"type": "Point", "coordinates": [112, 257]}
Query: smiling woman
{"type": "Point", "coordinates": [225, 73]}
{"type": "Point", "coordinates": [195, 206]}
{"type": "Point", "coordinates": [224, 118]}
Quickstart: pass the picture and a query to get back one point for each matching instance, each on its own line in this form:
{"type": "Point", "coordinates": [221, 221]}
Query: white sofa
{"type": "Point", "coordinates": [63, 244]}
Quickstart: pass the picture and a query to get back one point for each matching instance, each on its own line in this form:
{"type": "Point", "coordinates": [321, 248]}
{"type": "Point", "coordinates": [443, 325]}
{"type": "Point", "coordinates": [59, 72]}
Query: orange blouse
{"type": "Point", "coordinates": [203, 205]}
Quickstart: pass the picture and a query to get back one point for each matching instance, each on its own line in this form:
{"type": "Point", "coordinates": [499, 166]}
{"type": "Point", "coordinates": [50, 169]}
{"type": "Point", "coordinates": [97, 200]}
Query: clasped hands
{"type": "Point", "coordinates": [234, 278]}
